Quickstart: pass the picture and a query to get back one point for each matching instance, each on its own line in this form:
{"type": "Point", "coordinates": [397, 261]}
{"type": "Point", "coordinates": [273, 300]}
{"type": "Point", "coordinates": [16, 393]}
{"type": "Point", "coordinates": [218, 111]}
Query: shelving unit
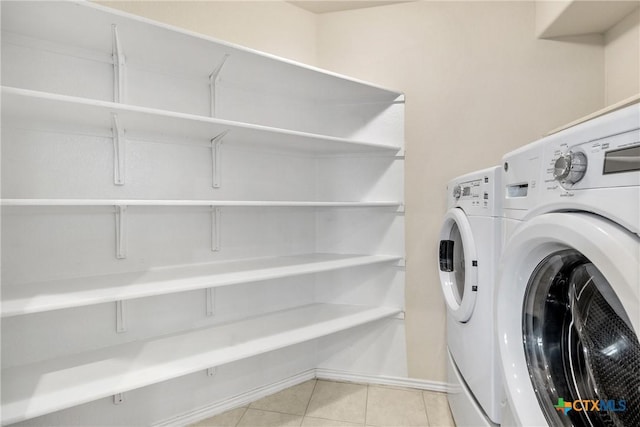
{"type": "Point", "coordinates": [254, 206]}
{"type": "Point", "coordinates": [38, 389]}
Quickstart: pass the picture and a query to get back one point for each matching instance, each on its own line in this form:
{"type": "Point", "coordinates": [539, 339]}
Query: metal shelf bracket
{"type": "Point", "coordinates": [211, 301]}
{"type": "Point", "coordinates": [214, 78]}
{"type": "Point", "coordinates": [118, 66]}
{"type": "Point", "coordinates": [118, 151]}
{"type": "Point", "coordinates": [216, 155]}
{"type": "Point", "coordinates": [121, 325]}
{"type": "Point", "coordinates": [121, 232]}
{"type": "Point", "coordinates": [215, 228]}
{"type": "Point", "coordinates": [399, 316]}
{"type": "Point", "coordinates": [118, 398]}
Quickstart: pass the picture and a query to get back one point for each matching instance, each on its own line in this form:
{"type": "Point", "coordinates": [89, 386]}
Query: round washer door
{"type": "Point", "coordinates": [458, 265]}
{"type": "Point", "coordinates": [568, 317]}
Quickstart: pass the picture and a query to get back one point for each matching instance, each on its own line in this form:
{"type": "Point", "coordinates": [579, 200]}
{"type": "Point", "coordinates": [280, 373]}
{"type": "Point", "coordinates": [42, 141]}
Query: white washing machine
{"type": "Point", "coordinates": [469, 250]}
{"type": "Point", "coordinates": [568, 298]}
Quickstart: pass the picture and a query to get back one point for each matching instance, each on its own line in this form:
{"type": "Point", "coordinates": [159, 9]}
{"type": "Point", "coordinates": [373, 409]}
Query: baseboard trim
{"type": "Point", "coordinates": [235, 401]}
{"type": "Point", "coordinates": [319, 373]}
{"type": "Point", "coordinates": [335, 375]}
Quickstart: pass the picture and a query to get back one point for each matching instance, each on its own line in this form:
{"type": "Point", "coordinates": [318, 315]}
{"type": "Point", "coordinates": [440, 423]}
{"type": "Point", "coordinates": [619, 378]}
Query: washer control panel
{"type": "Point", "coordinates": [601, 152]}
{"type": "Point", "coordinates": [613, 161]}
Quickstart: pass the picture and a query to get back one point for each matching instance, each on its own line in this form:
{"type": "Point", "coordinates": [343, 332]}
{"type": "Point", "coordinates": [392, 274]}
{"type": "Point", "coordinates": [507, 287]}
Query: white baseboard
{"type": "Point", "coordinates": [235, 401]}
{"type": "Point", "coordinates": [334, 375]}
{"type": "Point", "coordinates": [323, 374]}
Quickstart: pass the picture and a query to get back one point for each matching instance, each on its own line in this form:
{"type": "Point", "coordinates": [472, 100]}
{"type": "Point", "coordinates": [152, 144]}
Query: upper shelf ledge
{"type": "Point", "coordinates": [178, 51]}
{"type": "Point", "coordinates": [216, 203]}
{"type": "Point", "coordinates": [45, 108]}
{"type": "Point", "coordinates": [564, 18]}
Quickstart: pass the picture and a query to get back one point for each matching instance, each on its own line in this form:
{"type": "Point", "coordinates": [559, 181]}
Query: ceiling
{"type": "Point", "coordinates": [340, 5]}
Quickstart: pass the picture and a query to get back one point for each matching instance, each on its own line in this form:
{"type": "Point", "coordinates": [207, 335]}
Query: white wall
{"type": "Point", "coordinates": [275, 27]}
{"type": "Point", "coordinates": [622, 59]}
{"type": "Point", "coordinates": [478, 84]}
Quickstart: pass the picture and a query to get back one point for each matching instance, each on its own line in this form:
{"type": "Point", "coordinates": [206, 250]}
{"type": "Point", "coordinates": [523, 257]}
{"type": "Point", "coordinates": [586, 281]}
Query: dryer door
{"type": "Point", "coordinates": [458, 265]}
{"type": "Point", "coordinates": [568, 315]}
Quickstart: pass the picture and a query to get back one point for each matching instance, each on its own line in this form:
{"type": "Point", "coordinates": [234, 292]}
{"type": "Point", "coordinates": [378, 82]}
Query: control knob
{"type": "Point", "coordinates": [570, 167]}
{"type": "Point", "coordinates": [457, 192]}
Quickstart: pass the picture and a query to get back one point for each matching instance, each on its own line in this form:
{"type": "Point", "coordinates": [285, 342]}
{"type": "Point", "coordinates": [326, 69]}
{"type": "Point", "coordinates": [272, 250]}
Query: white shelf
{"type": "Point", "coordinates": [215, 203]}
{"type": "Point", "coordinates": [177, 52]}
{"type": "Point", "coordinates": [573, 18]}
{"type": "Point", "coordinates": [22, 105]}
{"type": "Point", "coordinates": [34, 390]}
{"type": "Point", "coordinates": [30, 298]}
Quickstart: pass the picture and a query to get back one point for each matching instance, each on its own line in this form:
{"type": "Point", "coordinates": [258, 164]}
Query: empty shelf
{"type": "Point", "coordinates": [37, 297]}
{"type": "Point", "coordinates": [41, 107]}
{"type": "Point", "coordinates": [198, 55]}
{"type": "Point", "coordinates": [216, 203]}
{"type": "Point", "coordinates": [37, 389]}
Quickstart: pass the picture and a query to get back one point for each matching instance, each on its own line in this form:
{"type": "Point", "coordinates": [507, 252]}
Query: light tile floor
{"type": "Point", "coordinates": [320, 403]}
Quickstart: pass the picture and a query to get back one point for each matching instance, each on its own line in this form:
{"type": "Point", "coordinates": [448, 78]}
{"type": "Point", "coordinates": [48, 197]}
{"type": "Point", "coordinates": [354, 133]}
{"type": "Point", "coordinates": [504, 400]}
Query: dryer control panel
{"type": "Point", "coordinates": [476, 193]}
{"type": "Point", "coordinates": [469, 190]}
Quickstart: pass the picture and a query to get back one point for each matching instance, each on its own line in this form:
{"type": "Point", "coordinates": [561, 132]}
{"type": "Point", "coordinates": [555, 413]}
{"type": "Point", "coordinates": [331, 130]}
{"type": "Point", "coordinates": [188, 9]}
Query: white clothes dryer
{"type": "Point", "coordinates": [568, 298]}
{"type": "Point", "coordinates": [469, 250]}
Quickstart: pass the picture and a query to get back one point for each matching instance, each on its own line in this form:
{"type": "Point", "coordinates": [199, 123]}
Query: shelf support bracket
{"type": "Point", "coordinates": [118, 66]}
{"type": "Point", "coordinates": [118, 398]}
{"type": "Point", "coordinates": [211, 372]}
{"type": "Point", "coordinates": [118, 151]}
{"type": "Point", "coordinates": [216, 155]}
{"type": "Point", "coordinates": [121, 325]}
{"type": "Point", "coordinates": [215, 228]}
{"type": "Point", "coordinates": [399, 316]}
{"type": "Point", "coordinates": [121, 232]}
{"type": "Point", "coordinates": [214, 78]}
{"type": "Point", "coordinates": [211, 302]}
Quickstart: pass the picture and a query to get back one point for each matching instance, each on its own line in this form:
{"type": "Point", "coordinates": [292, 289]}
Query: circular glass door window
{"type": "Point", "coordinates": [582, 353]}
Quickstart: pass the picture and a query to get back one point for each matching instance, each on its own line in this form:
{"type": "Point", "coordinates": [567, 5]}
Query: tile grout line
{"type": "Point", "coordinates": [339, 421]}
{"type": "Point", "coordinates": [366, 405]}
{"type": "Point", "coordinates": [276, 412]}
{"type": "Point", "coordinates": [242, 416]}
{"type": "Point", "coordinates": [426, 411]}
{"type": "Point", "coordinates": [315, 384]}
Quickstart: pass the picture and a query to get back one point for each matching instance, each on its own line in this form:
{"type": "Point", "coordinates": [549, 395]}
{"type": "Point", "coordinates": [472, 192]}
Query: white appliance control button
{"type": "Point", "coordinates": [570, 167]}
